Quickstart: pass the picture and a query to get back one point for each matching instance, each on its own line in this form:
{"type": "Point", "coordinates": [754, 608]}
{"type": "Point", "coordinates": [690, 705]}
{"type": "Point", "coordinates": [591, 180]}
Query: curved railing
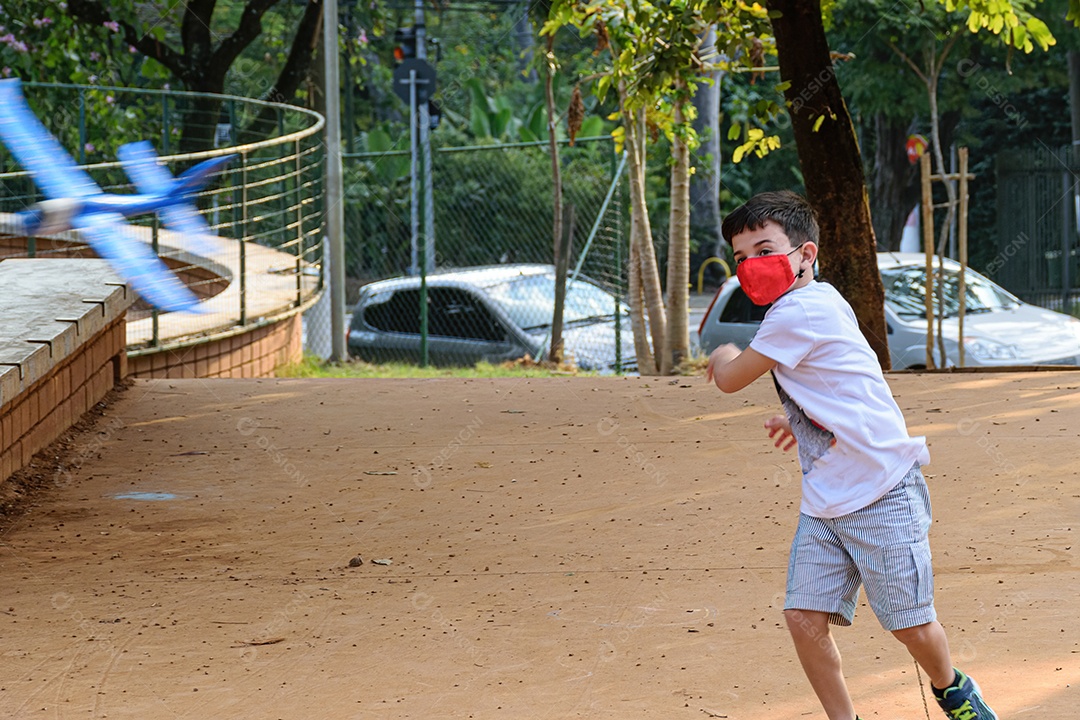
{"type": "Point", "coordinates": [265, 208]}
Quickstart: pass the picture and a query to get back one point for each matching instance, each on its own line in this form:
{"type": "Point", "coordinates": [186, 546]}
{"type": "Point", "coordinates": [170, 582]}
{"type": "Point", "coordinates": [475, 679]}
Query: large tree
{"type": "Point", "coordinates": [200, 46]}
{"type": "Point", "coordinates": [831, 164]}
{"type": "Point", "coordinates": [829, 151]}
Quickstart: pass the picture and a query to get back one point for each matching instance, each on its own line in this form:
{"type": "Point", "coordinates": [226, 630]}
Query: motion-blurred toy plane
{"type": "Point", "coordinates": [74, 201]}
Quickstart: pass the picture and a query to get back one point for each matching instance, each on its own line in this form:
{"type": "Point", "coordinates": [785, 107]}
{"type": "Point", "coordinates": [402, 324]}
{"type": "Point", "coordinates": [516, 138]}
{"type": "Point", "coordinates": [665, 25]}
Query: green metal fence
{"type": "Point", "coordinates": [493, 206]}
{"type": "Point", "coordinates": [265, 208]}
{"type": "Point", "coordinates": [1038, 252]}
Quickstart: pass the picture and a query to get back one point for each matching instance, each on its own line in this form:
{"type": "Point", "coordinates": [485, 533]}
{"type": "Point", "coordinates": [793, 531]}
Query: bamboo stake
{"type": "Point", "coordinates": [963, 240]}
{"type": "Point", "coordinates": [928, 243]}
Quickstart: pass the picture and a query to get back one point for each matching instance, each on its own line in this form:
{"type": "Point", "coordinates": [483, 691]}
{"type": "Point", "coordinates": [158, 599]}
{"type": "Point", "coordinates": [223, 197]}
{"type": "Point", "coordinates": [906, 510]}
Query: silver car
{"type": "Point", "coordinates": [493, 314]}
{"type": "Point", "coordinates": [999, 329]}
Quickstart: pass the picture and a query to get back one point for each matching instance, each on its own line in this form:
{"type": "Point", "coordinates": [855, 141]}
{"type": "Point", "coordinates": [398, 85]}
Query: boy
{"type": "Point", "coordinates": [865, 509]}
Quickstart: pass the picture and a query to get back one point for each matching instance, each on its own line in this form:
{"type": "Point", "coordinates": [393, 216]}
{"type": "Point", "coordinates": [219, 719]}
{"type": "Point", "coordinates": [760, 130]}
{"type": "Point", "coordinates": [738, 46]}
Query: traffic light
{"type": "Point", "coordinates": [405, 37]}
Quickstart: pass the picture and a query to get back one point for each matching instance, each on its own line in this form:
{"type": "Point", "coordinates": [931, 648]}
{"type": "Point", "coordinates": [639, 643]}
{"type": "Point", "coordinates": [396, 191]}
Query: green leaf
{"type": "Point", "coordinates": [501, 122]}
{"type": "Point", "coordinates": [479, 124]}
{"type": "Point", "coordinates": [592, 126]}
{"type": "Point", "coordinates": [1040, 33]}
{"type": "Point", "coordinates": [817, 123]}
{"type": "Point", "coordinates": [537, 122]}
{"type": "Point", "coordinates": [478, 97]}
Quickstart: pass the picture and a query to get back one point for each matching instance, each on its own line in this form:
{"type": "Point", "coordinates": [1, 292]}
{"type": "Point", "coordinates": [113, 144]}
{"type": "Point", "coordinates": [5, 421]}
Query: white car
{"type": "Point", "coordinates": [999, 329]}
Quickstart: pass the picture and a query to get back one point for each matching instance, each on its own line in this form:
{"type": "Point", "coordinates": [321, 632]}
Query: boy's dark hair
{"type": "Point", "coordinates": [789, 210]}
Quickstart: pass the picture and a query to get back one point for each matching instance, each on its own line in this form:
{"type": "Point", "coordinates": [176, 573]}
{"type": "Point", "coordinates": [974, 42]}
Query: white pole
{"type": "Point", "coordinates": [425, 145]}
{"type": "Point", "coordinates": [335, 213]}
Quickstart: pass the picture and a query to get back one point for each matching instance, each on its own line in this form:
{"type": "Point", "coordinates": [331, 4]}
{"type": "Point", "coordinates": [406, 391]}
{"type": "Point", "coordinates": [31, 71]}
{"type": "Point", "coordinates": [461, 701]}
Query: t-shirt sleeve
{"type": "Point", "coordinates": [785, 335]}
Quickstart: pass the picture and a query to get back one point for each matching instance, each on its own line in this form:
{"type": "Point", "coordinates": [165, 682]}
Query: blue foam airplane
{"type": "Point", "coordinates": [74, 201]}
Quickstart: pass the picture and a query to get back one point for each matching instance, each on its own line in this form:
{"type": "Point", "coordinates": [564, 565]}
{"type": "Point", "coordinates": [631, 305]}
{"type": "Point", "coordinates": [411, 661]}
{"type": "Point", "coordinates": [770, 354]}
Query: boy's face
{"type": "Point", "coordinates": [770, 239]}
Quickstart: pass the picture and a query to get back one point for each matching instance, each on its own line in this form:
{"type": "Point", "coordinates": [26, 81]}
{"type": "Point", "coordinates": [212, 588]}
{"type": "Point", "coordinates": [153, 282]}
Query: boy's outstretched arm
{"type": "Point", "coordinates": [733, 370]}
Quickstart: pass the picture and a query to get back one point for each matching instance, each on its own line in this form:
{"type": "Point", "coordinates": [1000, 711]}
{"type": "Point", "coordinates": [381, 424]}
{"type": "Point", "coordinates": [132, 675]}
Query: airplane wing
{"type": "Point", "coordinates": [135, 262]}
{"type": "Point", "coordinates": [36, 150]}
{"type": "Point", "coordinates": [140, 164]}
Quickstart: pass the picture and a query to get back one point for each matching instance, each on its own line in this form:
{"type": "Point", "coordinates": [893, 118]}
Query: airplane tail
{"type": "Point", "coordinates": [194, 178]}
{"type": "Point", "coordinates": [177, 209]}
{"type": "Point", "coordinates": [140, 164]}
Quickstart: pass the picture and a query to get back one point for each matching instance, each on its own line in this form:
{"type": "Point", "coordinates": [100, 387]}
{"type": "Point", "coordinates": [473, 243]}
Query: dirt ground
{"type": "Point", "coordinates": [556, 548]}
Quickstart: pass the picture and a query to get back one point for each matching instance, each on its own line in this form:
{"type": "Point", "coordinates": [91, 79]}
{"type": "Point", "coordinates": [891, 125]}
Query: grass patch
{"type": "Point", "coordinates": [314, 367]}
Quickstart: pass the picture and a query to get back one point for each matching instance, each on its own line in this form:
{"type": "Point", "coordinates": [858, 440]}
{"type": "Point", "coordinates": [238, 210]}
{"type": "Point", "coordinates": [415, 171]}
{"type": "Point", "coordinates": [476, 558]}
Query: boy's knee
{"type": "Point", "coordinates": [916, 635]}
{"type": "Point", "coordinates": [807, 622]}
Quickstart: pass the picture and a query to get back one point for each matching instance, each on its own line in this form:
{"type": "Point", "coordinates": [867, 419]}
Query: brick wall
{"type": "Point", "coordinates": [258, 352]}
{"type": "Point", "coordinates": [51, 405]}
{"type": "Point", "coordinates": [63, 347]}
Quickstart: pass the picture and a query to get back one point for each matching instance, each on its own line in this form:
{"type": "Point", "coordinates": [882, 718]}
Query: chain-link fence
{"type": "Point", "coordinates": [491, 294]}
{"type": "Point", "coordinates": [264, 209]}
{"type": "Point", "coordinates": [1038, 252]}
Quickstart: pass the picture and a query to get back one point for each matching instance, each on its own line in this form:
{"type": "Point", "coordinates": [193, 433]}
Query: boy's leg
{"type": "Point", "coordinates": [957, 694]}
{"type": "Point", "coordinates": [820, 661]}
{"type": "Point", "coordinates": [930, 648]}
{"type": "Point", "coordinates": [888, 541]}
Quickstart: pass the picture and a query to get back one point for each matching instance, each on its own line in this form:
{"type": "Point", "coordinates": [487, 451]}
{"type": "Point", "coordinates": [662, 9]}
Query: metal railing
{"type": "Point", "coordinates": [265, 208]}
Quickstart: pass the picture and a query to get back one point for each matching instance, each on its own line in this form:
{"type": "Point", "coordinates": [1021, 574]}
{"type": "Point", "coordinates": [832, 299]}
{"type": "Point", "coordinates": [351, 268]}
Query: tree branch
{"type": "Point", "coordinates": [249, 28]}
{"type": "Point", "coordinates": [908, 60]}
{"type": "Point", "coordinates": [91, 12]}
{"type": "Point", "coordinates": [292, 74]}
{"type": "Point", "coordinates": [195, 35]}
{"type": "Point", "coordinates": [946, 51]}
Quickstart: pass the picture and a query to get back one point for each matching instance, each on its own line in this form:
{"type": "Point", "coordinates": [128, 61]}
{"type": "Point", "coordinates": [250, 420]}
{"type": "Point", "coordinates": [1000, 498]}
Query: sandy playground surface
{"type": "Point", "coordinates": [557, 548]}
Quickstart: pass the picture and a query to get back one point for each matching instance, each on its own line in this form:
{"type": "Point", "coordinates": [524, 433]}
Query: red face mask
{"type": "Point", "coordinates": [766, 278]}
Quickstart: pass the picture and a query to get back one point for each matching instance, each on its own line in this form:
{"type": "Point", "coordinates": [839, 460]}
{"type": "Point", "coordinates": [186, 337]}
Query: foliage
{"type": "Point", "coordinates": [312, 367]}
{"type": "Point", "coordinates": [491, 204]}
{"type": "Point", "coordinates": [651, 48]}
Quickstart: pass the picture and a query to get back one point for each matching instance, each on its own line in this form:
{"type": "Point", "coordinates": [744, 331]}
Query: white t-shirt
{"type": "Point", "coordinates": [827, 368]}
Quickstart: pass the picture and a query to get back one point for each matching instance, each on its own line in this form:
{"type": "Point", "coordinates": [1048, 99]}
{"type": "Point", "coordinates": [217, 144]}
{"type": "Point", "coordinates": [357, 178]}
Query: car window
{"type": "Point", "coordinates": [739, 309]}
{"type": "Point", "coordinates": [399, 314]}
{"type": "Point", "coordinates": [905, 292]}
{"type": "Point", "coordinates": [530, 299]}
{"type": "Point", "coordinates": [452, 312]}
{"type": "Point", "coordinates": [457, 313]}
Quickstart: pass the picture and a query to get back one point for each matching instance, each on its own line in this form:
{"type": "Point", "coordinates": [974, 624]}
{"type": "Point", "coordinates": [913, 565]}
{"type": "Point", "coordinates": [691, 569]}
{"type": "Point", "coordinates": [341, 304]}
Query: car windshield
{"type": "Point", "coordinates": [905, 292]}
{"type": "Point", "coordinates": [530, 299]}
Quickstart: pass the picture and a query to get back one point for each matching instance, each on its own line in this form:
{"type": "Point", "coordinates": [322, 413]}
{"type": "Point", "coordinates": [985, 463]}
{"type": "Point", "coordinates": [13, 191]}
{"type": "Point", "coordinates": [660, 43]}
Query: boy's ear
{"type": "Point", "coordinates": [809, 253]}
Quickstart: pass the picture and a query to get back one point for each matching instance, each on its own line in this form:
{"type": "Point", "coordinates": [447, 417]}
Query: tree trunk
{"type": "Point", "coordinates": [831, 165]}
{"type": "Point", "coordinates": [562, 268]}
{"type": "Point", "coordinates": [553, 148]}
{"type": "Point", "coordinates": [678, 260]}
{"type": "Point", "coordinates": [650, 274]}
{"type": "Point", "coordinates": [706, 239]}
{"type": "Point", "coordinates": [893, 192]}
{"type": "Point", "coordinates": [636, 298]}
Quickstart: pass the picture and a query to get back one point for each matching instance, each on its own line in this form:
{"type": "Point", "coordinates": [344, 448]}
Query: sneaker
{"type": "Point", "coordinates": [963, 701]}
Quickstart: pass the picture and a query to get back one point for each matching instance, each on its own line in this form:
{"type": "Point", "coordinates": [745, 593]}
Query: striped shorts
{"type": "Point", "coordinates": [883, 547]}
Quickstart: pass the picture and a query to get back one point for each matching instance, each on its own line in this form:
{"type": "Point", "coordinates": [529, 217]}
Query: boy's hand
{"type": "Point", "coordinates": [720, 356]}
{"type": "Point", "coordinates": [778, 425]}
